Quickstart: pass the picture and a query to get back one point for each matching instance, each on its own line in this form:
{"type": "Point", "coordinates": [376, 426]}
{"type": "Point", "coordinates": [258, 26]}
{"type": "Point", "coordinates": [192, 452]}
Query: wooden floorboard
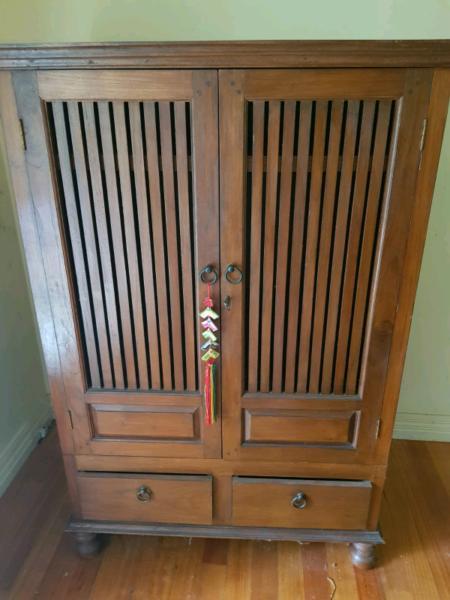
{"type": "Point", "coordinates": [38, 560]}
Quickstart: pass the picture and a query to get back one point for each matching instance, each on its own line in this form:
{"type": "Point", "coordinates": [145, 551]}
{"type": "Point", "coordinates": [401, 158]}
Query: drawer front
{"type": "Point", "coordinates": [300, 503]}
{"type": "Point", "coordinates": [147, 497]}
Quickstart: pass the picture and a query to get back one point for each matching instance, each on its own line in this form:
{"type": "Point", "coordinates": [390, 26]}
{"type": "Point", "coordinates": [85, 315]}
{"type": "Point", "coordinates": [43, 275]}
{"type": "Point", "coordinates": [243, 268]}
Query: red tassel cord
{"type": "Point", "coordinates": [210, 347]}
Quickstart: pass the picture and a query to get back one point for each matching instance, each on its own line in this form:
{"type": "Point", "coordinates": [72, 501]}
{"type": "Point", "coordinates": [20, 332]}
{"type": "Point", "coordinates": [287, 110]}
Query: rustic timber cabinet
{"type": "Point", "coordinates": [294, 177]}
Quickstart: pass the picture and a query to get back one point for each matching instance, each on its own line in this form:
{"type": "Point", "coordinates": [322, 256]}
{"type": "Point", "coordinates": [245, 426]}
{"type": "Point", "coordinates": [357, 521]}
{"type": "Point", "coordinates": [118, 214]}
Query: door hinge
{"type": "Point", "coordinates": [378, 429]}
{"type": "Point", "coordinates": [422, 141]}
{"type": "Point", "coordinates": [22, 131]}
{"type": "Point", "coordinates": [70, 418]}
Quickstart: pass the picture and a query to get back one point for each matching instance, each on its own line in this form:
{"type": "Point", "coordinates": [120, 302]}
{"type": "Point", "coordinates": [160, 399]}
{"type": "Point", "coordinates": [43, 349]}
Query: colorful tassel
{"type": "Point", "coordinates": [210, 357]}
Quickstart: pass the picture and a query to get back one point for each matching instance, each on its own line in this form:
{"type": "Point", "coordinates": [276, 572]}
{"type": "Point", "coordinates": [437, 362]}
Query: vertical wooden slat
{"type": "Point", "coordinates": [297, 248]}
{"type": "Point", "coordinates": [254, 276]}
{"type": "Point", "coordinates": [283, 244]}
{"type": "Point", "coordinates": [117, 242]}
{"type": "Point", "coordinates": [159, 242]}
{"type": "Point", "coordinates": [130, 238]}
{"type": "Point", "coordinates": [269, 243]}
{"type": "Point", "coordinates": [185, 243]}
{"type": "Point", "coordinates": [345, 187]}
{"type": "Point", "coordinates": [326, 236]}
{"type": "Point", "coordinates": [172, 241]}
{"type": "Point", "coordinates": [145, 243]}
{"type": "Point", "coordinates": [312, 235]}
{"type": "Point", "coordinates": [102, 231]}
{"type": "Point", "coordinates": [89, 237]}
{"type": "Point", "coordinates": [353, 245]}
{"type": "Point", "coordinates": [368, 243]}
{"type": "Point", "coordinates": [75, 241]}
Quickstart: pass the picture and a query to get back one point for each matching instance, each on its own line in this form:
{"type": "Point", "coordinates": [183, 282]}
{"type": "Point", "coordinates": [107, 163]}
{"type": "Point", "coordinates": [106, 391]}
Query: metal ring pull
{"type": "Point", "coordinates": [144, 494]}
{"type": "Point", "coordinates": [233, 269]}
{"type": "Point", "coordinates": [209, 275]}
{"type": "Point", "coordinates": [300, 500]}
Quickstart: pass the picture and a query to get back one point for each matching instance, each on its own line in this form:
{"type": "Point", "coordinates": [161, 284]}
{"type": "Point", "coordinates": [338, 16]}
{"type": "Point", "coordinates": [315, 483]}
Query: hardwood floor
{"type": "Point", "coordinates": [37, 560]}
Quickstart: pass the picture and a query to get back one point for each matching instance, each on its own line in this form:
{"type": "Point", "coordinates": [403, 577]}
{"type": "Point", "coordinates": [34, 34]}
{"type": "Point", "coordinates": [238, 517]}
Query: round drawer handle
{"type": "Point", "coordinates": [300, 500]}
{"type": "Point", "coordinates": [143, 494]}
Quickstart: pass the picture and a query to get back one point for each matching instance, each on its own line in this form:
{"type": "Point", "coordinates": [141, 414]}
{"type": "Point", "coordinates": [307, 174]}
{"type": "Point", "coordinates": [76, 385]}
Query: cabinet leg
{"type": "Point", "coordinates": [363, 555]}
{"type": "Point", "coordinates": [88, 544]}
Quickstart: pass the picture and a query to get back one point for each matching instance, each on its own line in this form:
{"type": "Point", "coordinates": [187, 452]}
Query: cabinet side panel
{"type": "Point", "coordinates": [33, 254]}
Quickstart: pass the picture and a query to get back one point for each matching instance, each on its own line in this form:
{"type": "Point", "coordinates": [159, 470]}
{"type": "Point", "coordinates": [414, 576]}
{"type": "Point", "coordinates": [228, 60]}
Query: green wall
{"type": "Point", "coordinates": [24, 402]}
{"type": "Point", "coordinates": [103, 20]}
{"type": "Point", "coordinates": [425, 397]}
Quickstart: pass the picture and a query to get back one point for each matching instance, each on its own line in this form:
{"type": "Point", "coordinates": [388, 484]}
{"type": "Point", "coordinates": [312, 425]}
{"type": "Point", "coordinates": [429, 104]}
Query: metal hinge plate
{"type": "Point", "coordinates": [378, 429]}
{"type": "Point", "coordinates": [422, 141]}
{"type": "Point", "coordinates": [22, 131]}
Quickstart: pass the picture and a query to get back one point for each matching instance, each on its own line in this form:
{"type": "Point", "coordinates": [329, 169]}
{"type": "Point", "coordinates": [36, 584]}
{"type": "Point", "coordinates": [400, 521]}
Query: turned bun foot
{"type": "Point", "coordinates": [88, 544]}
{"type": "Point", "coordinates": [363, 555]}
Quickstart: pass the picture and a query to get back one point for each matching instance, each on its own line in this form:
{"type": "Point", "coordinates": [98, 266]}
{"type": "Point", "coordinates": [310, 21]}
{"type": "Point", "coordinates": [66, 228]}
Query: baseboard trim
{"type": "Point", "coordinates": [226, 531]}
{"type": "Point", "coordinates": [19, 448]}
{"type": "Point", "coordinates": [416, 426]}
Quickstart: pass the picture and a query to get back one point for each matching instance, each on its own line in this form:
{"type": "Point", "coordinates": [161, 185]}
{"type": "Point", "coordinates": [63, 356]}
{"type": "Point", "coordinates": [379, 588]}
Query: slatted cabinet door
{"type": "Point", "coordinates": [317, 178]}
{"type": "Point", "coordinates": [124, 168]}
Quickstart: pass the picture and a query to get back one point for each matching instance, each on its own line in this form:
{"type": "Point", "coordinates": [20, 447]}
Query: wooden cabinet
{"type": "Point", "coordinates": [305, 185]}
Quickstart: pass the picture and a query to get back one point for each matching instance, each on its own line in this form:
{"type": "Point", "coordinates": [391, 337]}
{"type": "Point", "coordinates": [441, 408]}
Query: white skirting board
{"type": "Point", "coordinates": [417, 426]}
{"type": "Point", "coordinates": [19, 448]}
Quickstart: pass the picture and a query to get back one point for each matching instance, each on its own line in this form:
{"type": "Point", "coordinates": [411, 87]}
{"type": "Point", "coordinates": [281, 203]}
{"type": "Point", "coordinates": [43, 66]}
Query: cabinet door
{"type": "Point", "coordinates": [123, 168]}
{"type": "Point", "coordinates": [318, 172]}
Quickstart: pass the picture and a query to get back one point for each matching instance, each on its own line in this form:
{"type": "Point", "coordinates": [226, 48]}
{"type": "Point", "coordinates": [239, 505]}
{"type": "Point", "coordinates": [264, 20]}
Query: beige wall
{"type": "Point", "coordinates": [24, 402]}
{"type": "Point", "coordinates": [425, 396]}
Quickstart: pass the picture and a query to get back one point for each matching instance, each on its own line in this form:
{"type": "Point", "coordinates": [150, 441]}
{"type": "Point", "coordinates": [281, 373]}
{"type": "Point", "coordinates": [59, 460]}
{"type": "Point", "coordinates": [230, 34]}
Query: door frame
{"type": "Point", "coordinates": [237, 86]}
{"type": "Point", "coordinates": [31, 90]}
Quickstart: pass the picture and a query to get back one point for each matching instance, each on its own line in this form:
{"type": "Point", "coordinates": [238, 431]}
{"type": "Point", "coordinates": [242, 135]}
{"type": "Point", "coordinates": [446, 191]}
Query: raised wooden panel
{"type": "Point", "coordinates": [300, 427]}
{"type": "Point", "coordinates": [171, 498]}
{"type": "Point", "coordinates": [115, 85]}
{"type": "Point", "coordinates": [328, 504]}
{"type": "Point", "coordinates": [145, 423]}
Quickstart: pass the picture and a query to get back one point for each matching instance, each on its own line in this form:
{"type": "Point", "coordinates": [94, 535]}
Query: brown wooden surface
{"type": "Point", "coordinates": [118, 337]}
{"type": "Point", "coordinates": [301, 427]}
{"type": "Point", "coordinates": [287, 53]}
{"type": "Point", "coordinates": [329, 504]}
{"type": "Point", "coordinates": [436, 119]}
{"type": "Point", "coordinates": [326, 336]}
{"type": "Point", "coordinates": [39, 560]}
{"type": "Point", "coordinates": [34, 259]}
{"type": "Point", "coordinates": [174, 498]}
{"type": "Point", "coordinates": [145, 422]}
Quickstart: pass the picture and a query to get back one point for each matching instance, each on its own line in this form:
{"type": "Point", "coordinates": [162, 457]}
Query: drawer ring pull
{"type": "Point", "coordinates": [143, 494]}
{"type": "Point", "coordinates": [300, 500]}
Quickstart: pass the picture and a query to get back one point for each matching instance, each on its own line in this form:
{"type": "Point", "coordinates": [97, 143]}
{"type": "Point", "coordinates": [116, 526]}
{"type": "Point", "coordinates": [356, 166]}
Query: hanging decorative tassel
{"type": "Point", "coordinates": [210, 346]}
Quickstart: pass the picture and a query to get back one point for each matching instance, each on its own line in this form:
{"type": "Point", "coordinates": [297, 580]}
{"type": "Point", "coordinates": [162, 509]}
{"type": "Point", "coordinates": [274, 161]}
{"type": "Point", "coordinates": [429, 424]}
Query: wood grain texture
{"type": "Point", "coordinates": [287, 53]}
{"type": "Point", "coordinates": [114, 85]}
{"type": "Point", "coordinates": [307, 217]}
{"type": "Point", "coordinates": [436, 119]}
{"type": "Point", "coordinates": [172, 498]}
{"type": "Point", "coordinates": [42, 560]}
{"type": "Point", "coordinates": [328, 504]}
{"type": "Point", "coordinates": [104, 175]}
{"type": "Point", "coordinates": [35, 263]}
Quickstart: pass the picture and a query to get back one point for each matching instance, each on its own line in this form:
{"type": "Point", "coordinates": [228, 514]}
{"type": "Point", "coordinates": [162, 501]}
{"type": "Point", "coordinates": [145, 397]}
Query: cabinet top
{"type": "Point", "coordinates": [232, 54]}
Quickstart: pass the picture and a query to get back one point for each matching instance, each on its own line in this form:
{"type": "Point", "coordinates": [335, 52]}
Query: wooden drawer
{"type": "Point", "coordinates": [146, 497]}
{"type": "Point", "coordinates": [321, 504]}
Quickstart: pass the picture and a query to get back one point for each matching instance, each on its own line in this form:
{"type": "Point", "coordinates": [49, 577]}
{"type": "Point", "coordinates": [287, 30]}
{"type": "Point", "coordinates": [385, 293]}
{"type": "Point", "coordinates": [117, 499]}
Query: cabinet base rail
{"type": "Point", "coordinates": [362, 541]}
